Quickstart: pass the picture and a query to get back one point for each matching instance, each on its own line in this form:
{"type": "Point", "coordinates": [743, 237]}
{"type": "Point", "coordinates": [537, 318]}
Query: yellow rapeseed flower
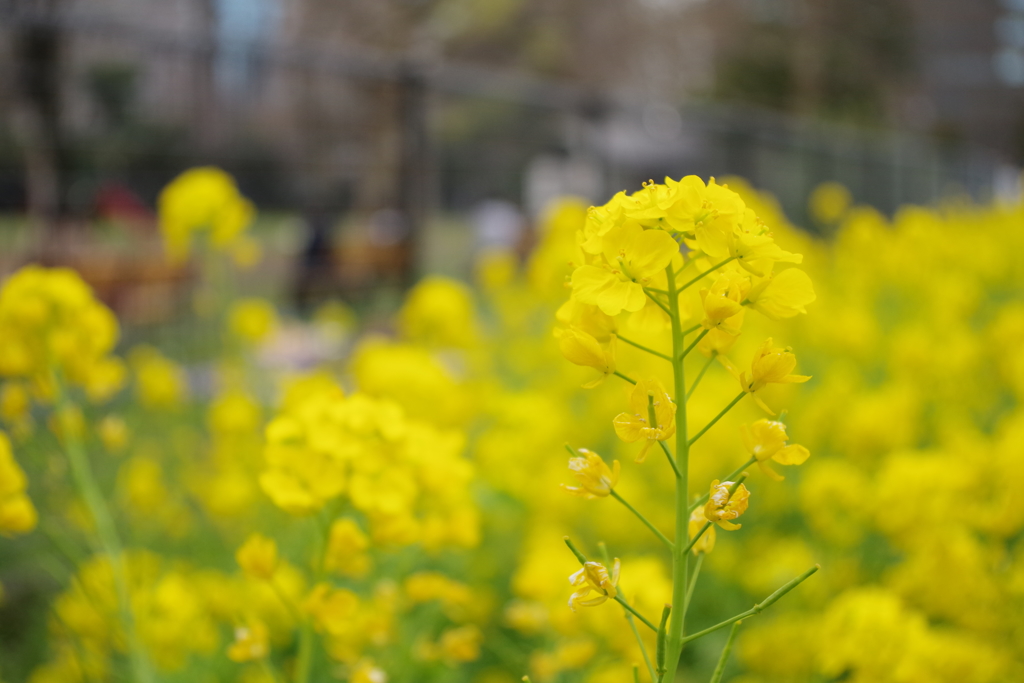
{"type": "Point", "coordinates": [580, 348]}
{"type": "Point", "coordinates": [771, 365]}
{"type": "Point", "coordinates": [17, 514]}
{"type": "Point", "coordinates": [722, 508]}
{"type": "Point", "coordinates": [706, 543]}
{"type": "Point", "coordinates": [252, 642]}
{"type": "Point", "coordinates": [782, 295]}
{"type": "Point", "coordinates": [258, 557]}
{"type": "Point", "coordinates": [766, 440]}
{"type": "Point", "coordinates": [653, 416]}
{"type": "Point", "coordinates": [595, 477]}
{"type": "Point", "coordinates": [633, 257]}
{"type": "Point", "coordinates": [594, 577]}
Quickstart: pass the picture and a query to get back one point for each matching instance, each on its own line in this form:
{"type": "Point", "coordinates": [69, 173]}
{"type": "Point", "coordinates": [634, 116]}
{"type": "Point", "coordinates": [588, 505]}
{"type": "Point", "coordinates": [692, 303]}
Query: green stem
{"type": "Point", "coordinates": [644, 348]}
{"type": "Point", "coordinates": [693, 580]}
{"type": "Point", "coordinates": [707, 272]}
{"type": "Point", "coordinates": [688, 330]}
{"type": "Point", "coordinates": [676, 626]}
{"type": "Point", "coordinates": [628, 379]}
{"type": "Point", "coordinates": [716, 677]}
{"type": "Point", "coordinates": [700, 375]}
{"type": "Point", "coordinates": [643, 648]}
{"type": "Point", "coordinates": [109, 539]}
{"type": "Point", "coordinates": [647, 523]}
{"type": "Point", "coordinates": [756, 609]}
{"type": "Point", "coordinates": [718, 417]}
{"type": "Point", "coordinates": [304, 660]}
{"type": "Point", "coordinates": [729, 477]}
{"type": "Point", "coordinates": [690, 347]}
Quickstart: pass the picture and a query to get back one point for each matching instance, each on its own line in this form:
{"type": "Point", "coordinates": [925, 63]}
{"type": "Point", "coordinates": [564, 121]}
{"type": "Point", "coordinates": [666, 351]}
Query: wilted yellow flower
{"type": "Point", "coordinates": [594, 577]}
{"type": "Point", "coordinates": [770, 365]}
{"type": "Point", "coordinates": [595, 477]}
{"type": "Point", "coordinates": [766, 440]}
{"type": "Point", "coordinates": [706, 543]}
{"type": "Point", "coordinates": [633, 256]}
{"type": "Point", "coordinates": [251, 320]}
{"type": "Point", "coordinates": [653, 416]}
{"type": "Point", "coordinates": [721, 508]}
{"type": "Point", "coordinates": [258, 557]}
{"type": "Point", "coordinates": [252, 642]}
{"type": "Point", "coordinates": [583, 349]}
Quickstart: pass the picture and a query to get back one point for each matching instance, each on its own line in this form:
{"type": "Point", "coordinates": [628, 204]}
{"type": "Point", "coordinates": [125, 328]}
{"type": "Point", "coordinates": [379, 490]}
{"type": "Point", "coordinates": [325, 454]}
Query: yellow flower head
{"type": "Point", "coordinates": [17, 514]}
{"type": "Point", "coordinates": [721, 508]}
{"type": "Point", "coordinates": [580, 348]}
{"type": "Point", "coordinates": [50, 321]}
{"type": "Point", "coordinates": [113, 432]}
{"type": "Point", "coordinates": [633, 256]}
{"type": "Point", "coordinates": [706, 543]}
{"type": "Point", "coordinates": [461, 644]}
{"type": "Point", "coordinates": [204, 198]}
{"type": "Point", "coordinates": [252, 642]}
{"type": "Point", "coordinates": [766, 440]}
{"type": "Point", "coordinates": [346, 549]}
{"type": "Point", "coordinates": [252, 320]}
{"type": "Point", "coordinates": [653, 416]}
{"type": "Point", "coordinates": [258, 557]}
{"type": "Point", "coordinates": [783, 295]}
{"type": "Point", "coordinates": [754, 249]}
{"type": "Point", "coordinates": [770, 365]}
{"type": "Point", "coordinates": [366, 671]}
{"type": "Point", "coordinates": [595, 477]}
{"type": "Point", "coordinates": [723, 308]}
{"type": "Point", "coordinates": [593, 577]}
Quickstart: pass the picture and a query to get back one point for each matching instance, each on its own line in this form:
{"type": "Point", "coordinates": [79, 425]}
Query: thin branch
{"type": "Point", "coordinates": [618, 599]}
{"type": "Point", "coordinates": [700, 375]}
{"type": "Point", "coordinates": [756, 609]}
{"type": "Point", "coordinates": [647, 523]}
{"type": "Point", "coordinates": [657, 301]}
{"type": "Point", "coordinates": [643, 648]}
{"type": "Point", "coordinates": [644, 348]}
{"type": "Point", "coordinates": [689, 348]}
{"type": "Point", "coordinates": [716, 677]}
{"type": "Point", "coordinates": [707, 272]}
{"type": "Point", "coordinates": [625, 377]}
{"type": "Point", "coordinates": [693, 581]}
{"type": "Point", "coordinates": [718, 417]}
{"type": "Point", "coordinates": [671, 460]}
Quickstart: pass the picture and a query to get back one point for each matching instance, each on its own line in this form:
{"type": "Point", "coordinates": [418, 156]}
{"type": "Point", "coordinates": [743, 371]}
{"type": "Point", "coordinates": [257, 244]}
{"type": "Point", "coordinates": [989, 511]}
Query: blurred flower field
{"type": "Point", "coordinates": [399, 512]}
